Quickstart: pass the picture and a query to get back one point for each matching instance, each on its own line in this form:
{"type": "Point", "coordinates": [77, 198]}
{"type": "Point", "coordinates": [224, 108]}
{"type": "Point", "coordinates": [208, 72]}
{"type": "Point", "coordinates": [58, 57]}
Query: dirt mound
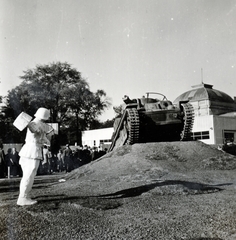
{"type": "Point", "coordinates": [141, 164]}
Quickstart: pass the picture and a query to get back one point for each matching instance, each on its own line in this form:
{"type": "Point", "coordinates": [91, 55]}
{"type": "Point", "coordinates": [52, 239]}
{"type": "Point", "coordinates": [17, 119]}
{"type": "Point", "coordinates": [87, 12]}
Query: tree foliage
{"type": "Point", "coordinates": [62, 89]}
{"type": "Point", "coordinates": [118, 110]}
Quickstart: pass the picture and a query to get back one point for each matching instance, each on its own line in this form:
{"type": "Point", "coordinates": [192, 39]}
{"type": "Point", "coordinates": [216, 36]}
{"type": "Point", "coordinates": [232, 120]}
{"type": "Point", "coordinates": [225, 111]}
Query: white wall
{"type": "Point", "coordinates": [89, 136]}
{"type": "Point", "coordinates": [205, 123]}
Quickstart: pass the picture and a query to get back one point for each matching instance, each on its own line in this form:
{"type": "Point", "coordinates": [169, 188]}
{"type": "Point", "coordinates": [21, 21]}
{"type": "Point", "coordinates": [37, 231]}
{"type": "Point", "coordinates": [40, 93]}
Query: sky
{"type": "Point", "coordinates": [125, 47]}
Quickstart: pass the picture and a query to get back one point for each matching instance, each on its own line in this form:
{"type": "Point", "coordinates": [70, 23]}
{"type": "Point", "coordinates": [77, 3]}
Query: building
{"type": "Point", "coordinates": [214, 114]}
{"type": "Point", "coordinates": [97, 137]}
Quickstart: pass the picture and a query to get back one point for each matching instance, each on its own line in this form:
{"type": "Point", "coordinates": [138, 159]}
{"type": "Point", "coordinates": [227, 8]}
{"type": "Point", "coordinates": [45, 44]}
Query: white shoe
{"type": "Point", "coordinates": [25, 201]}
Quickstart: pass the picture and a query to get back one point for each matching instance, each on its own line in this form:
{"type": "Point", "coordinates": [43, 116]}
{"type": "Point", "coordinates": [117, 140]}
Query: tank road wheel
{"type": "Point", "coordinates": [132, 125]}
{"type": "Point", "coordinates": [187, 121]}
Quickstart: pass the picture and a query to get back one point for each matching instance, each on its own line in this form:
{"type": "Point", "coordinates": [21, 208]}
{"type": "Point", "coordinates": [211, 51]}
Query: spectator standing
{"type": "Point", "coordinates": [50, 161]}
{"type": "Point", "coordinates": [9, 162]}
{"type": "Point", "coordinates": [76, 159]}
{"type": "Point", "coordinates": [54, 163]}
{"type": "Point", "coordinates": [80, 156]}
{"type": "Point", "coordinates": [67, 155]}
{"type": "Point", "coordinates": [86, 155]}
{"type": "Point", "coordinates": [60, 162]}
{"type": "Point", "coordinates": [101, 152]}
{"type": "Point", "coordinates": [17, 171]}
{"type": "Point", "coordinates": [12, 162]}
{"type": "Point", "coordinates": [2, 162]}
{"type": "Point", "coordinates": [94, 154]}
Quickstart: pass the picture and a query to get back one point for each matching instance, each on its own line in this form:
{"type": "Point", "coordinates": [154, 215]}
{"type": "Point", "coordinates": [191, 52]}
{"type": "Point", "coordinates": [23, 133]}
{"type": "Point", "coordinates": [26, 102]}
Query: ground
{"type": "Point", "coordinates": [168, 190]}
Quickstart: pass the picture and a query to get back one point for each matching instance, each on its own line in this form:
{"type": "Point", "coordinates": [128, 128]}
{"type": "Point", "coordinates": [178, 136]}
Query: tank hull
{"type": "Point", "coordinates": [151, 120]}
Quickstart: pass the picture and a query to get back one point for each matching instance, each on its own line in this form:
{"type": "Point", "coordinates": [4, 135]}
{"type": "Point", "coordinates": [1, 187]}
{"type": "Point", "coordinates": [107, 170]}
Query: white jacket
{"type": "Point", "coordinates": [38, 134]}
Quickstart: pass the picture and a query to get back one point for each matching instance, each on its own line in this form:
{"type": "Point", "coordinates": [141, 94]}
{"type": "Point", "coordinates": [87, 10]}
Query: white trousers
{"type": "Point", "coordinates": [29, 169]}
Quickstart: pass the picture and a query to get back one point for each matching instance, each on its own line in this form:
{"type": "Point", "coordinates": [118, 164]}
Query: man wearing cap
{"type": "Point", "coordinates": [38, 134]}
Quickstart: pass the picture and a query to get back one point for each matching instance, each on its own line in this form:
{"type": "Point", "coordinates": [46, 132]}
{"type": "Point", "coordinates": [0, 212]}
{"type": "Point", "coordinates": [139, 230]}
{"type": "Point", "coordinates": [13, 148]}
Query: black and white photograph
{"type": "Point", "coordinates": [117, 119]}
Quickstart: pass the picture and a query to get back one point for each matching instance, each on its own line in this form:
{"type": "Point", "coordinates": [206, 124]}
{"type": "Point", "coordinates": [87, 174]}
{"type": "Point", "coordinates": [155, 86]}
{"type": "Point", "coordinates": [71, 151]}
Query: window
{"type": "Point", "coordinates": [200, 135]}
{"type": "Point", "coordinates": [105, 141]}
{"type": "Point", "coordinates": [228, 137]}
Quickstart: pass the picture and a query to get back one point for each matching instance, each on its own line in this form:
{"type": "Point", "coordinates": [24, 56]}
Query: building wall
{"type": "Point", "coordinates": [96, 137]}
{"type": "Point", "coordinates": [207, 121]}
{"type": "Point", "coordinates": [203, 129]}
{"type": "Point", "coordinates": [201, 108]}
{"type": "Point", "coordinates": [223, 125]}
{"type": "Point", "coordinates": [215, 127]}
{"type": "Point", "coordinates": [206, 107]}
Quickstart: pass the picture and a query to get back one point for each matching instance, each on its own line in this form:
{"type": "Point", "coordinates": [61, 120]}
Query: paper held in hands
{"type": "Point", "coordinates": [22, 121]}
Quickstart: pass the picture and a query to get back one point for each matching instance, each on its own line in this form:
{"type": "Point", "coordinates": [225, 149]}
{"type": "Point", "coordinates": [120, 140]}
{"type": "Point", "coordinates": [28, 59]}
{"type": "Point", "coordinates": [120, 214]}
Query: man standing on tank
{"type": "Point", "coordinates": [38, 134]}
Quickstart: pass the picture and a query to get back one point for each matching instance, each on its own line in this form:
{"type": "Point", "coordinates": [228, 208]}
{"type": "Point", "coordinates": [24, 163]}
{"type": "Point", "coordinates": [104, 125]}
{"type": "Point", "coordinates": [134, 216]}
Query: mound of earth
{"type": "Point", "coordinates": [166, 190]}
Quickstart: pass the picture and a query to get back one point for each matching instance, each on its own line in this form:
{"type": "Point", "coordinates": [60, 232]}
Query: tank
{"type": "Point", "coordinates": [152, 119]}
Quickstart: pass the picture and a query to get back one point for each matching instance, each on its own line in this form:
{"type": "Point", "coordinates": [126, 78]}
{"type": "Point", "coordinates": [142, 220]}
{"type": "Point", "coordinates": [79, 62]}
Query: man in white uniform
{"type": "Point", "coordinates": [38, 134]}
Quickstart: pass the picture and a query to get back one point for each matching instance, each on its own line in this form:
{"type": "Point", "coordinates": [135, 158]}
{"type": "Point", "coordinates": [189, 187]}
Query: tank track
{"type": "Point", "coordinates": [133, 125]}
{"type": "Point", "coordinates": [188, 121]}
{"type": "Point", "coordinates": [127, 131]}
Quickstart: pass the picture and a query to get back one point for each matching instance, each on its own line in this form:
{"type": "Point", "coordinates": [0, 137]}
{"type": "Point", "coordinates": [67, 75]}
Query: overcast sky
{"type": "Point", "coordinates": [123, 46]}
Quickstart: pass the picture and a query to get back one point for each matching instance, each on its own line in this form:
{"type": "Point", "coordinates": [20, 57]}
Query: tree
{"type": "Point", "coordinates": [60, 88]}
{"type": "Point", "coordinates": [96, 124]}
{"type": "Point", "coordinates": [118, 110]}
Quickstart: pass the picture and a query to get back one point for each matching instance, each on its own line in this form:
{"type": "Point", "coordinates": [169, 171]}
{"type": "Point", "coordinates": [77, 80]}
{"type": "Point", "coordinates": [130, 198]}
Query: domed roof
{"type": "Point", "coordinates": [204, 92]}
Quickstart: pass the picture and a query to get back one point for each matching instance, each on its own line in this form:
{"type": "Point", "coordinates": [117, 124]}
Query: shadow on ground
{"type": "Point", "coordinates": [191, 187]}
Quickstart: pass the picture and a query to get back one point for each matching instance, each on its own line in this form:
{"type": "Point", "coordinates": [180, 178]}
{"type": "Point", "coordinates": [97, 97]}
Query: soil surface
{"type": "Point", "coordinates": [167, 190]}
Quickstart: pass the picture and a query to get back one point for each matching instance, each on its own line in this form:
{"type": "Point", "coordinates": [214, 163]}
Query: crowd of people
{"type": "Point", "coordinates": [65, 160]}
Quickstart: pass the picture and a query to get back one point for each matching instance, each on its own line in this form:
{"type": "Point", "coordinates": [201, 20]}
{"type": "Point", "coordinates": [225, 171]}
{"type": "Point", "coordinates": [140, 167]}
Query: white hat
{"type": "Point", "coordinates": [42, 113]}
